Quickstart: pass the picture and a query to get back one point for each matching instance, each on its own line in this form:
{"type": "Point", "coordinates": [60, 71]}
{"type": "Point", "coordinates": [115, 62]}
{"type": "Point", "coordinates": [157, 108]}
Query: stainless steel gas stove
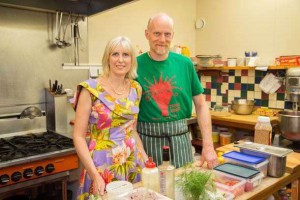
{"type": "Point", "coordinates": [31, 155]}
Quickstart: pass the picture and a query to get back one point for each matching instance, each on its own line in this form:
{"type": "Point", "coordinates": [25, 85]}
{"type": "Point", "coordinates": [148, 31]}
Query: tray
{"type": "Point", "coordinates": [237, 170]}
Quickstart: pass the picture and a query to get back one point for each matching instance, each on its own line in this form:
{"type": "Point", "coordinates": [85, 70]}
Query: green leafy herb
{"type": "Point", "coordinates": [193, 183]}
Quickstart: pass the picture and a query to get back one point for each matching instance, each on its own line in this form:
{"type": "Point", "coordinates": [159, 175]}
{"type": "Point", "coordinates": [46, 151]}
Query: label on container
{"type": "Point", "coordinates": [162, 182]}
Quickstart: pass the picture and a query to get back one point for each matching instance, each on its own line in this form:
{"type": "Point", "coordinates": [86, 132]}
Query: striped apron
{"type": "Point", "coordinates": [174, 134]}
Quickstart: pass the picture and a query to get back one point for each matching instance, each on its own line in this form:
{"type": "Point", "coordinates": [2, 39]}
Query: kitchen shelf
{"type": "Point", "coordinates": [242, 67]}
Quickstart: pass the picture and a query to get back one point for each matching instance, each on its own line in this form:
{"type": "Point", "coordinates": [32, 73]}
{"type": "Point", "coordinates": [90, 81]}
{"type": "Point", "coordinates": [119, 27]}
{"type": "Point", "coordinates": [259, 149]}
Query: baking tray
{"type": "Point", "coordinates": [237, 170]}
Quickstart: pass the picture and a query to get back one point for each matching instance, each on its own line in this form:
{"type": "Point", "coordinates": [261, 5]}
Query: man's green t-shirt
{"type": "Point", "coordinates": [168, 88]}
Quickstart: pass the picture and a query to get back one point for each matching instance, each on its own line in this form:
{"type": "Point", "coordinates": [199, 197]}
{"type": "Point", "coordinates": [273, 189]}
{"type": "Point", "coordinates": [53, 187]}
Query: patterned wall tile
{"type": "Point", "coordinates": [236, 84]}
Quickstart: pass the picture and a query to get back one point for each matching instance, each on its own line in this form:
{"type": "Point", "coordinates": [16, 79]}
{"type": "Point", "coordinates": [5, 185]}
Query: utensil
{"type": "Point", "coordinates": [31, 112]}
{"type": "Point", "coordinates": [242, 106]}
{"type": "Point", "coordinates": [59, 43]}
{"type": "Point", "coordinates": [76, 45]}
{"type": "Point", "coordinates": [65, 43]}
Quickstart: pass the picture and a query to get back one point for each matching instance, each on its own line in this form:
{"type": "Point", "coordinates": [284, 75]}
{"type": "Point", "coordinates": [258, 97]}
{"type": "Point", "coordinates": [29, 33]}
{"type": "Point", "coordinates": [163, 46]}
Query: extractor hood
{"type": "Point", "coordinates": [81, 7]}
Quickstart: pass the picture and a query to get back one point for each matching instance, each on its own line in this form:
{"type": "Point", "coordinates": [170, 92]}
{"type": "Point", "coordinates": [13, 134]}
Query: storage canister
{"type": "Point", "coordinates": [231, 62]}
{"type": "Point", "coordinates": [225, 138]}
{"type": "Point", "coordinates": [263, 131]}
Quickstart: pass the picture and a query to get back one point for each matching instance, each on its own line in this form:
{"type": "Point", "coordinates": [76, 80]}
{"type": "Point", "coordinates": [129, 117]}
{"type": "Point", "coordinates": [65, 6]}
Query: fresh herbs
{"type": "Point", "coordinates": [193, 183]}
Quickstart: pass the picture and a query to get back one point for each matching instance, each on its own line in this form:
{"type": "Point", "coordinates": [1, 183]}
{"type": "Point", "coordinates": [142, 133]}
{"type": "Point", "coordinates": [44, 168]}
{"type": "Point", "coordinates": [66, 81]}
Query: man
{"type": "Point", "coordinates": [170, 84]}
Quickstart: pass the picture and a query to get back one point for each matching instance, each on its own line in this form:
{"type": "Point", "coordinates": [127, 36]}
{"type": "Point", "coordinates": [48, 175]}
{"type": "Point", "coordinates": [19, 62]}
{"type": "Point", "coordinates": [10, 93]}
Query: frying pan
{"type": "Point", "coordinates": [31, 112]}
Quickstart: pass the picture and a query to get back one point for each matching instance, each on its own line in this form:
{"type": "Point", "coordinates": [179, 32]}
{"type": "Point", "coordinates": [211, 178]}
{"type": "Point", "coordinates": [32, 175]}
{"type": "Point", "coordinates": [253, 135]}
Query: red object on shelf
{"type": "Point", "coordinates": [289, 60]}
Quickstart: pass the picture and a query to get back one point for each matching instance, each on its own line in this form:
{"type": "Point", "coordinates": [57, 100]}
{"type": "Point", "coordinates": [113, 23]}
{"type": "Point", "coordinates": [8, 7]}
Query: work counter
{"type": "Point", "coordinates": [230, 119]}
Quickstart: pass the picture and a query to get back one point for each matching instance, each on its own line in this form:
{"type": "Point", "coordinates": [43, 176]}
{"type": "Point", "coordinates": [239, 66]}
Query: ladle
{"type": "Point", "coordinates": [66, 44]}
{"type": "Point", "coordinates": [59, 43]}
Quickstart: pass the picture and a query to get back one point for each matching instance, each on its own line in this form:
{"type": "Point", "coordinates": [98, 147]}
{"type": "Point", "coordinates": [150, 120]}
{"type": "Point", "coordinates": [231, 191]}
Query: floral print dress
{"type": "Point", "coordinates": [110, 140]}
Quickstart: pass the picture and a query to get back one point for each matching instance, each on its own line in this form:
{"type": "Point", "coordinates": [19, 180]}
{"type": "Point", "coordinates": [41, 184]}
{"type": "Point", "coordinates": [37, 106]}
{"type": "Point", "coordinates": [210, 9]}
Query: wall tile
{"type": "Point", "coordinates": [236, 84]}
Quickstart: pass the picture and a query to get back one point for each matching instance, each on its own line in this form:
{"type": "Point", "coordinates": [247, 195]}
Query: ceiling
{"type": "Point", "coordinates": [81, 7]}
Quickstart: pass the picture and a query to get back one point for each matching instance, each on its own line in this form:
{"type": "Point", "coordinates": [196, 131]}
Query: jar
{"type": "Point", "coordinates": [263, 131]}
{"type": "Point", "coordinates": [231, 62]}
{"type": "Point", "coordinates": [225, 138]}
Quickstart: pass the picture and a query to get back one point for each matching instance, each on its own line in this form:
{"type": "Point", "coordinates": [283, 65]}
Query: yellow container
{"type": "Point", "coordinates": [185, 51]}
{"type": "Point", "coordinates": [215, 136]}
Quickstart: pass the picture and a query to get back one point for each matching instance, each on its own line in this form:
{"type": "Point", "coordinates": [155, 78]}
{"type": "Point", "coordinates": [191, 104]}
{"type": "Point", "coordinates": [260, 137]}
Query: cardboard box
{"type": "Point", "coordinates": [289, 60]}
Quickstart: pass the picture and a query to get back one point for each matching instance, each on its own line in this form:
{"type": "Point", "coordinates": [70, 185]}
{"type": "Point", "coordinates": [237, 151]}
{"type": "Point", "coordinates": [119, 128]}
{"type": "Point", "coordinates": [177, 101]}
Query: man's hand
{"type": "Point", "coordinates": [209, 155]}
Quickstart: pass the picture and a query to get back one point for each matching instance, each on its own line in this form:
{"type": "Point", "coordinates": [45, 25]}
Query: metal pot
{"type": "Point", "coordinates": [242, 107]}
{"type": "Point", "coordinates": [289, 123]}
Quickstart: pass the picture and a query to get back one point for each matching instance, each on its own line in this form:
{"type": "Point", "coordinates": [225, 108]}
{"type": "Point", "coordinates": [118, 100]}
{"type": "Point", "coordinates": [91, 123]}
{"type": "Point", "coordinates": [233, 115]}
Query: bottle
{"type": "Point", "coordinates": [167, 175]}
{"type": "Point", "coordinates": [150, 176]}
{"type": "Point", "coordinates": [263, 131]}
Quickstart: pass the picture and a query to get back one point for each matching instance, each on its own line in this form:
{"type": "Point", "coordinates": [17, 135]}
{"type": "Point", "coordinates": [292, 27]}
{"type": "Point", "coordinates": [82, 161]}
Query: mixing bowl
{"type": "Point", "coordinates": [242, 107]}
{"type": "Point", "coordinates": [289, 123]}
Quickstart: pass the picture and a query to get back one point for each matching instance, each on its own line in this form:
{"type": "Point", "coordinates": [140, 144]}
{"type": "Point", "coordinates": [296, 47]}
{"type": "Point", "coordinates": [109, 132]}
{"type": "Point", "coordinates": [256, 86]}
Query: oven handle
{"type": "Point", "coordinates": [31, 183]}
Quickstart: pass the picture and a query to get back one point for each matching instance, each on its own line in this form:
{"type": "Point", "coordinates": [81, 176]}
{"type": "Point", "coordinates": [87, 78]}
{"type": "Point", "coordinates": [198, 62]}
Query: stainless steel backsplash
{"type": "Point", "coordinates": [29, 58]}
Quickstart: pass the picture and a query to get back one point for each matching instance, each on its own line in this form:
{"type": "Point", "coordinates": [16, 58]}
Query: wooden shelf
{"type": "Point", "coordinates": [198, 143]}
{"type": "Point", "coordinates": [243, 67]}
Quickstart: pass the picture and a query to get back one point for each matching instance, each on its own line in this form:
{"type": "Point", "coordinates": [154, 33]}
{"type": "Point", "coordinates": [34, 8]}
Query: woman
{"type": "Point", "coordinates": [105, 136]}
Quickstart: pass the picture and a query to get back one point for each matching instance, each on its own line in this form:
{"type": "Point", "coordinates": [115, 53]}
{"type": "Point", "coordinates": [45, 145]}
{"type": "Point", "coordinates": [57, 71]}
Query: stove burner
{"type": "Point", "coordinates": [32, 144]}
{"type": "Point", "coordinates": [12, 154]}
{"type": "Point", "coordinates": [65, 143]}
{"type": "Point", "coordinates": [50, 136]}
{"type": "Point", "coordinates": [22, 139]}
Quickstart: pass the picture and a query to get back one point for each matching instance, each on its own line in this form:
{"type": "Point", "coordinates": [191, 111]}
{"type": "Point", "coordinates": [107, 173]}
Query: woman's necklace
{"type": "Point", "coordinates": [118, 92]}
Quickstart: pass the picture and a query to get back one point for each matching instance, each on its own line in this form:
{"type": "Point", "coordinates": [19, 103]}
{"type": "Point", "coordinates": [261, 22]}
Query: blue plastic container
{"type": "Point", "coordinates": [245, 158]}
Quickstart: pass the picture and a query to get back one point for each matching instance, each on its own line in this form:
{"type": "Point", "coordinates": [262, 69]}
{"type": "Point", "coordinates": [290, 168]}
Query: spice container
{"type": "Point", "coordinates": [225, 138]}
{"type": "Point", "coordinates": [263, 131]}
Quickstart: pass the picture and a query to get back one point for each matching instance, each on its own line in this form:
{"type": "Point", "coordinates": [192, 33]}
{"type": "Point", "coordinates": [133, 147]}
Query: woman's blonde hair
{"type": "Point", "coordinates": [125, 43]}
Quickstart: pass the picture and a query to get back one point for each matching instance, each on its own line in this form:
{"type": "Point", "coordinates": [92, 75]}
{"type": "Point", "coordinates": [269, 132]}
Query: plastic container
{"type": "Point", "coordinates": [244, 158]}
{"type": "Point", "coordinates": [226, 195]}
{"type": "Point", "coordinates": [225, 138]}
{"type": "Point", "coordinates": [215, 136]}
{"type": "Point", "coordinates": [253, 182]}
{"type": "Point", "coordinates": [237, 170]}
{"type": "Point", "coordinates": [262, 167]}
{"type": "Point", "coordinates": [229, 183]}
{"type": "Point", "coordinates": [263, 131]}
{"type": "Point", "coordinates": [231, 62]}
{"type": "Point", "coordinates": [150, 176]}
{"type": "Point", "coordinates": [118, 189]}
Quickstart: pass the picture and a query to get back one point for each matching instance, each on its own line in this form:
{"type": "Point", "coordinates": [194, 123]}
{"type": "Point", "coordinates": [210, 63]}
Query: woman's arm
{"type": "Point", "coordinates": [80, 129]}
{"type": "Point", "coordinates": [139, 143]}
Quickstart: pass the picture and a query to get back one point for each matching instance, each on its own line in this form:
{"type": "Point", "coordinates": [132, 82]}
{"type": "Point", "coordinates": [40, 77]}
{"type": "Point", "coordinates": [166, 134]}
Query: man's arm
{"type": "Point", "coordinates": [204, 121]}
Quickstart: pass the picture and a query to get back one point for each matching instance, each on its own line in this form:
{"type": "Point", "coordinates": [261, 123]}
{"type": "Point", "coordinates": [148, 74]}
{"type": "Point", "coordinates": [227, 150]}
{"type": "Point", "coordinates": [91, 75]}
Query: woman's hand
{"type": "Point", "coordinates": [98, 185]}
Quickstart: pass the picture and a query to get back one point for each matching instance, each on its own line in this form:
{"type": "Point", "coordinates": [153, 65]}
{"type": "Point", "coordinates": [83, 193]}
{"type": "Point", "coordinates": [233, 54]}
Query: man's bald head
{"type": "Point", "coordinates": [160, 17]}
